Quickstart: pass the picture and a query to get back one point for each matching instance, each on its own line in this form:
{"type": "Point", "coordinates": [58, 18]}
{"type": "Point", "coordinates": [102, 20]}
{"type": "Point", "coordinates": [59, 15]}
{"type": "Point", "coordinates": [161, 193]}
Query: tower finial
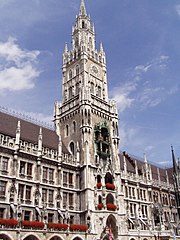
{"type": "Point", "coordinates": [82, 11]}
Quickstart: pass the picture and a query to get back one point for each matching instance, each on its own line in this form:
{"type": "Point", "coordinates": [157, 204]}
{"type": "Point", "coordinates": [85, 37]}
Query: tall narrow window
{"type": "Point", "coordinates": [29, 169]}
{"type": "Point", "coordinates": [22, 167]}
{"type": "Point", "coordinates": [50, 218]}
{"type": "Point", "coordinates": [51, 193]}
{"type": "Point", "coordinates": [28, 193]}
{"type": "Point", "coordinates": [27, 215]}
{"type": "Point", "coordinates": [21, 192]}
{"type": "Point", "coordinates": [2, 212]}
{"type": "Point", "coordinates": [74, 126]}
{"type": "Point", "coordinates": [83, 24]}
{"type": "Point", "coordinates": [51, 175]}
{"type": "Point", "coordinates": [99, 91]}
{"type": "Point", "coordinates": [65, 178]}
{"type": "Point", "coordinates": [70, 74]}
{"type": "Point", "coordinates": [77, 88]}
{"type": "Point", "coordinates": [77, 70]}
{"type": "Point", "coordinates": [2, 188]}
{"type": "Point", "coordinates": [71, 199]}
{"type": "Point", "coordinates": [67, 131]}
{"type": "Point", "coordinates": [92, 88]}
{"type": "Point", "coordinates": [90, 42]}
{"type": "Point", "coordinates": [4, 164]}
{"type": "Point", "coordinates": [44, 195]}
{"type": "Point", "coordinates": [71, 146]}
{"type": "Point", "coordinates": [70, 92]}
{"type": "Point", "coordinates": [45, 173]}
{"type": "Point", "coordinates": [70, 179]}
{"type": "Point", "coordinates": [64, 199]}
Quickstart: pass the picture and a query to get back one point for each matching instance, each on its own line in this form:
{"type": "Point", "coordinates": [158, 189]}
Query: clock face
{"type": "Point", "coordinates": [94, 70]}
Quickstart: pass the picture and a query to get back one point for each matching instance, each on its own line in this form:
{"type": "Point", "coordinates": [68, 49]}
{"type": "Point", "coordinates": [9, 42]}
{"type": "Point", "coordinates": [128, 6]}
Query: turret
{"type": "Point", "coordinates": [18, 133]}
{"type": "Point", "coordinates": [40, 142]}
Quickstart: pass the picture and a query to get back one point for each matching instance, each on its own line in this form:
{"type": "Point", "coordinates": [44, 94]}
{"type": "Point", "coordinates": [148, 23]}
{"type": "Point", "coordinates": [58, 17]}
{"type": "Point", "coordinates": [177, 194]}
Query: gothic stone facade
{"type": "Point", "coordinates": [72, 182]}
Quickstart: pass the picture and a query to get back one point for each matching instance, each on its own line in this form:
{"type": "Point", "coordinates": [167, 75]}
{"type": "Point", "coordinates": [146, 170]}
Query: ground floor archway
{"type": "Point", "coordinates": [31, 237]}
{"type": "Point", "coordinates": [111, 224]}
{"type": "Point", "coordinates": [55, 238]}
{"type": "Point", "coordinates": [4, 237]}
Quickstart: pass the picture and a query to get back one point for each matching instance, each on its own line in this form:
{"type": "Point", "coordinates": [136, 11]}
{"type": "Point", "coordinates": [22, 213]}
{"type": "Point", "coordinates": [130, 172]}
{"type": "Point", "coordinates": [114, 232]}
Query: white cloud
{"type": "Point", "coordinates": [159, 62]}
{"type": "Point", "coordinates": [122, 96]}
{"type": "Point", "coordinates": [18, 70]}
{"type": "Point", "coordinates": [5, 2]}
{"type": "Point", "coordinates": [178, 9]}
{"type": "Point", "coordinates": [139, 90]}
{"type": "Point", "coordinates": [151, 97]}
{"type": "Point", "coordinates": [127, 134]}
{"type": "Point", "coordinates": [141, 68]}
{"type": "Point", "coordinates": [37, 118]}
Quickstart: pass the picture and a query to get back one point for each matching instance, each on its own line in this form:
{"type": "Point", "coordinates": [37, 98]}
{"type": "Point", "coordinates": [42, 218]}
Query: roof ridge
{"type": "Point", "coordinates": [25, 117]}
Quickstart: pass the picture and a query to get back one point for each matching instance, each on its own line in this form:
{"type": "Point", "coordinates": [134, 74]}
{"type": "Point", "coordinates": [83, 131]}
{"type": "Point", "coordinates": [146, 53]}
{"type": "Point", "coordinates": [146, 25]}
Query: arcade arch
{"type": "Point", "coordinates": [5, 237]}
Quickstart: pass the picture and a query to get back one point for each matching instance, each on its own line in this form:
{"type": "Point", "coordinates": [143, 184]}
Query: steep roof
{"type": "Point", "coordinates": [29, 131]}
{"type": "Point", "coordinates": [132, 162]}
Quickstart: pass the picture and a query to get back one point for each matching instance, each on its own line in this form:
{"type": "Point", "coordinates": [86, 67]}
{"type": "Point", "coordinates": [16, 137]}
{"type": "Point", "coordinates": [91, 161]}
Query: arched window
{"type": "Point", "coordinates": [31, 237]}
{"type": "Point", "coordinates": [99, 91]}
{"type": "Point", "coordinates": [77, 88]}
{"type": "Point", "coordinates": [109, 199]}
{"type": "Point", "coordinates": [99, 199]}
{"type": "Point", "coordinates": [112, 223]}
{"type": "Point", "coordinates": [74, 126]}
{"type": "Point", "coordinates": [70, 74]}
{"type": "Point", "coordinates": [83, 24]}
{"type": "Point", "coordinates": [67, 131]}
{"type": "Point", "coordinates": [92, 87]}
{"type": "Point", "coordinates": [77, 70]}
{"type": "Point", "coordinates": [76, 42]}
{"type": "Point", "coordinates": [90, 42]}
{"type": "Point", "coordinates": [98, 179]}
{"type": "Point", "coordinates": [108, 178]}
{"type": "Point", "coordinates": [71, 148]}
{"type": "Point", "coordinates": [70, 92]}
{"type": "Point", "coordinates": [4, 237]}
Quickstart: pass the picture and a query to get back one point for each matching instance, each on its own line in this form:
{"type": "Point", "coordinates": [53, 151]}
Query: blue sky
{"type": "Point", "coordinates": [141, 41]}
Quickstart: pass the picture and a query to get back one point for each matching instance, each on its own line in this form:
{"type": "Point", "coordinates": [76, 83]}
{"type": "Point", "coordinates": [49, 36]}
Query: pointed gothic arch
{"type": "Point", "coordinates": [31, 237]}
{"type": "Point", "coordinates": [109, 199]}
{"type": "Point", "coordinates": [77, 238]}
{"type": "Point", "coordinates": [77, 70]}
{"type": "Point", "coordinates": [55, 237]}
{"type": "Point", "coordinates": [108, 178]}
{"type": "Point", "coordinates": [5, 237]}
{"type": "Point", "coordinates": [70, 73]}
{"type": "Point", "coordinates": [111, 223]}
{"type": "Point", "coordinates": [72, 148]}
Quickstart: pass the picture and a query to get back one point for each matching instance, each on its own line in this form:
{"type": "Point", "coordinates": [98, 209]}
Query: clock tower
{"type": "Point", "coordinates": [86, 120]}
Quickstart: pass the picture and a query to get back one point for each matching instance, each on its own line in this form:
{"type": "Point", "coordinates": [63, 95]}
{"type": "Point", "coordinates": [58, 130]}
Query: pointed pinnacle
{"type": "Point", "coordinates": [101, 47]}
{"type": "Point", "coordinates": [82, 11]}
{"type": "Point", "coordinates": [66, 48]}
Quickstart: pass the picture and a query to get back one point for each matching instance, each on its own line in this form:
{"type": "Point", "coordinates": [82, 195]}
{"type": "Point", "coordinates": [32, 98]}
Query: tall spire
{"type": "Point", "coordinates": [82, 11]}
{"type": "Point", "coordinates": [174, 161]}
